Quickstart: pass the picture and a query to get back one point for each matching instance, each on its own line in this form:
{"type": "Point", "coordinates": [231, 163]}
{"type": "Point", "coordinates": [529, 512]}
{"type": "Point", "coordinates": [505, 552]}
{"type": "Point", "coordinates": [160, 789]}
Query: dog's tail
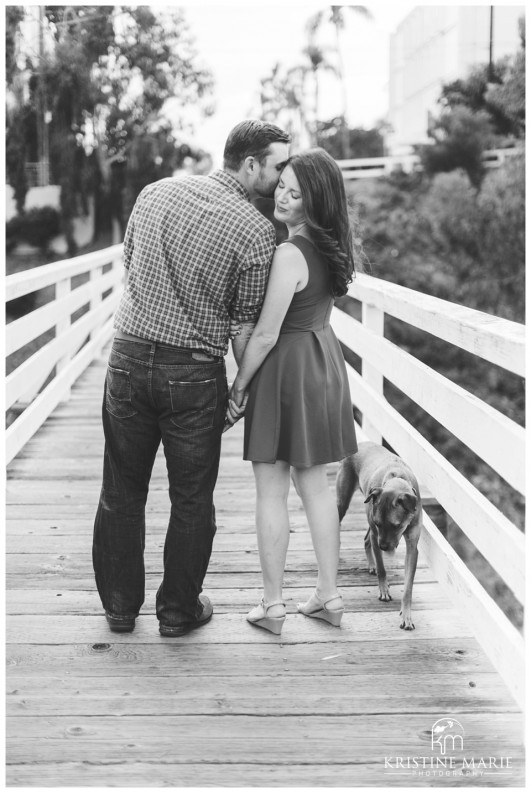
{"type": "Point", "coordinates": [346, 483]}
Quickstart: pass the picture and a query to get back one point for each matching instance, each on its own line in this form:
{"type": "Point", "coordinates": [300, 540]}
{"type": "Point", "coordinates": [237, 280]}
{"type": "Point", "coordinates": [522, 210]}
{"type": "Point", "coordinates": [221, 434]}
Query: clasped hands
{"type": "Point", "coordinates": [235, 407]}
{"type": "Point", "coordinates": [237, 400]}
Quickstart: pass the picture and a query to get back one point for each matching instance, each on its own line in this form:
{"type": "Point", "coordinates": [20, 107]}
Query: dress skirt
{"type": "Point", "coordinates": [299, 408]}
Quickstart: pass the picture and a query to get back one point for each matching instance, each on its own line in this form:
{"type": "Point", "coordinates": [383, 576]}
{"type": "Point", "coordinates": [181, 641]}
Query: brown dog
{"type": "Point", "coordinates": [393, 508]}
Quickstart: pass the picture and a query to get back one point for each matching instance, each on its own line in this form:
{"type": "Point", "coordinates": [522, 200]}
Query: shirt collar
{"type": "Point", "coordinates": [231, 182]}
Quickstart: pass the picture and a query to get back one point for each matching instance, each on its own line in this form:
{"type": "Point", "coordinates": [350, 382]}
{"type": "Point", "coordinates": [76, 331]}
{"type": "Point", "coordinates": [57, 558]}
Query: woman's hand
{"type": "Point", "coordinates": [235, 407]}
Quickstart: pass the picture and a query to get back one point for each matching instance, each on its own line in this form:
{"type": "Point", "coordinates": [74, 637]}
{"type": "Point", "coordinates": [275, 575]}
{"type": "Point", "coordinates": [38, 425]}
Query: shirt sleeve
{"type": "Point", "coordinates": [128, 241]}
{"type": "Point", "coordinates": [252, 281]}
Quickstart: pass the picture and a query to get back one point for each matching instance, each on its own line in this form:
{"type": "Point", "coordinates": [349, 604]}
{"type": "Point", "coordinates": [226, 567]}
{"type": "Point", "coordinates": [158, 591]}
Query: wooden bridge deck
{"type": "Point", "coordinates": [228, 705]}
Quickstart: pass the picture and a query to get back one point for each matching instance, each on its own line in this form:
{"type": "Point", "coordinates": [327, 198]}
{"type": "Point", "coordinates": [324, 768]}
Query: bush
{"type": "Point", "coordinates": [460, 137]}
{"type": "Point", "coordinates": [480, 236]}
{"type": "Point", "coordinates": [36, 227]}
{"type": "Point", "coordinates": [13, 228]}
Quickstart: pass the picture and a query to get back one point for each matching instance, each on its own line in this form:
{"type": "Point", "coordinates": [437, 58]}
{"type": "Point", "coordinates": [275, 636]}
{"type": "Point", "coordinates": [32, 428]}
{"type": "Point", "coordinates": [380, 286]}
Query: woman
{"type": "Point", "coordinates": [299, 412]}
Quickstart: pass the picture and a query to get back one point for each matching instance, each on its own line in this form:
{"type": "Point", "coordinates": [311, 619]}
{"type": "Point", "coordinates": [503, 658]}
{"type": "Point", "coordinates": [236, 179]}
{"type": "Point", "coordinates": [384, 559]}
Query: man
{"type": "Point", "coordinates": [197, 255]}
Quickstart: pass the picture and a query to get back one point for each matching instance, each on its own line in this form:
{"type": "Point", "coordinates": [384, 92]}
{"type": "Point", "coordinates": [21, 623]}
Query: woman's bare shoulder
{"type": "Point", "coordinates": [286, 252]}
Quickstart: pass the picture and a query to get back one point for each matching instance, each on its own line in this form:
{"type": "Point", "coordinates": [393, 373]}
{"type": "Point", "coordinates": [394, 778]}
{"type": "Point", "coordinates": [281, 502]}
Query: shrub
{"type": "Point", "coordinates": [36, 227]}
{"type": "Point", "coordinates": [13, 228]}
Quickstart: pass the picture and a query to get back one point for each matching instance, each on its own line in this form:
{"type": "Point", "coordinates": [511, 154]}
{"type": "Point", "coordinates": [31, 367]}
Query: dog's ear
{"type": "Point", "coordinates": [374, 494]}
{"type": "Point", "coordinates": [408, 501]}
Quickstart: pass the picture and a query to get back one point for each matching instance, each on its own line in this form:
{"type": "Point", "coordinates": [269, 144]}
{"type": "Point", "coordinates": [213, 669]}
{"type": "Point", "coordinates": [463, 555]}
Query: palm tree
{"type": "Point", "coordinates": [317, 62]}
{"type": "Point", "coordinates": [336, 17]}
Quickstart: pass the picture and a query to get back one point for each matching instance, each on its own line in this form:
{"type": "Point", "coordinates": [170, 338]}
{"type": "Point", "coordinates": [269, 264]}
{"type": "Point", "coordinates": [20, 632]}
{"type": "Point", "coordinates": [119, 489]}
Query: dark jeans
{"type": "Point", "coordinates": [155, 392]}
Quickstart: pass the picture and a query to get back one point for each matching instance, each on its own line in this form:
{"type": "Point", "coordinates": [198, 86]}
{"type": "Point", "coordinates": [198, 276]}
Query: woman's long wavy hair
{"type": "Point", "coordinates": [326, 213]}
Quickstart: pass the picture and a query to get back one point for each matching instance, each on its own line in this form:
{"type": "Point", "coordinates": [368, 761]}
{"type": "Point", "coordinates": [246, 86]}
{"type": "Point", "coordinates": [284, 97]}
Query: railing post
{"type": "Point", "coordinates": [372, 318]}
{"type": "Point", "coordinates": [62, 288]}
{"type": "Point", "coordinates": [95, 275]}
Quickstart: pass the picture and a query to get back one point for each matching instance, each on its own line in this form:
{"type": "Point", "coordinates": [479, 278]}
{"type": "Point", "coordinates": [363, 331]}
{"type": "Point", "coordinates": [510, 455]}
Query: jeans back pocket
{"type": "Point", "coordinates": [193, 404]}
{"type": "Point", "coordinates": [118, 393]}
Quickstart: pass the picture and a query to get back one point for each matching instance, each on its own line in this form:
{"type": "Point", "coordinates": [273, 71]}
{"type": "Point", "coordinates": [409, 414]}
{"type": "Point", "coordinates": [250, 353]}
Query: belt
{"type": "Point", "coordinates": [121, 334]}
{"type": "Point", "coordinates": [197, 355]}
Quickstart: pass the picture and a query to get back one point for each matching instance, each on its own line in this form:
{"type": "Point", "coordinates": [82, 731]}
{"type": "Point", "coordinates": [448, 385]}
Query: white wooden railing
{"type": "Point", "coordinates": [75, 344]}
{"type": "Point", "coordinates": [492, 436]}
{"type": "Point", "coordinates": [496, 439]}
{"type": "Point", "coordinates": [372, 167]}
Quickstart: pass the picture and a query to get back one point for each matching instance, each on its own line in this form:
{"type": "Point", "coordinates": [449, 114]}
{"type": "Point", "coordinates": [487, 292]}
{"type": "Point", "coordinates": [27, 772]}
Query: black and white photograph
{"type": "Point", "coordinates": [265, 395]}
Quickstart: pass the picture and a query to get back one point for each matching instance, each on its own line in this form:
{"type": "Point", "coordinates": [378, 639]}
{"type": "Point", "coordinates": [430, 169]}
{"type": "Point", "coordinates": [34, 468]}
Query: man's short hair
{"type": "Point", "coordinates": [251, 139]}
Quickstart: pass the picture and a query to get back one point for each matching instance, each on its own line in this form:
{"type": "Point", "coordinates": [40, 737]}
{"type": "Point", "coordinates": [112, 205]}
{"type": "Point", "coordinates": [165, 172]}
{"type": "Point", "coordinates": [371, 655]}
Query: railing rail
{"type": "Point", "coordinates": [75, 344]}
{"type": "Point", "coordinates": [496, 439]}
{"type": "Point", "coordinates": [371, 167]}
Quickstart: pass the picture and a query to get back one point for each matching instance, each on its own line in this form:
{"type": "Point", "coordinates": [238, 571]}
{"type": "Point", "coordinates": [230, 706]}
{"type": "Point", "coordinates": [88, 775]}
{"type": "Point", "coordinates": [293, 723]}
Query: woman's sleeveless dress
{"type": "Point", "coordinates": [299, 408]}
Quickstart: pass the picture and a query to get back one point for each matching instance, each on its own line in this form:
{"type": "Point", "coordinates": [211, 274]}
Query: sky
{"type": "Point", "coordinates": [241, 42]}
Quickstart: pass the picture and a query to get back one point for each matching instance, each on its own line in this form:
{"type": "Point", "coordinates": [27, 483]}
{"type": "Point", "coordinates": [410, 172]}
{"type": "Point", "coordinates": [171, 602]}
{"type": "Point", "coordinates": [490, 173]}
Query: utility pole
{"type": "Point", "coordinates": [42, 113]}
{"type": "Point", "coordinates": [491, 36]}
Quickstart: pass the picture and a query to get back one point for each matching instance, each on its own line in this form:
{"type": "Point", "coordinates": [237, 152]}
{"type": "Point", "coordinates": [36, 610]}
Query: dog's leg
{"type": "Point", "coordinates": [346, 483]}
{"type": "Point", "coordinates": [380, 570]}
{"type": "Point", "coordinates": [409, 574]}
{"type": "Point", "coordinates": [368, 553]}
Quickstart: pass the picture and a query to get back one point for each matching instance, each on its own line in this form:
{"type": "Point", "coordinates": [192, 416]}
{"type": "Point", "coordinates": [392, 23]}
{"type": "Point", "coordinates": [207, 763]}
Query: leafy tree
{"type": "Point", "coordinates": [361, 142]}
{"type": "Point", "coordinates": [112, 71]}
{"type": "Point", "coordinates": [17, 114]}
{"type": "Point", "coordinates": [14, 16]}
{"type": "Point", "coordinates": [508, 98]}
{"type": "Point", "coordinates": [283, 92]}
{"type": "Point", "coordinates": [485, 109]}
{"type": "Point", "coordinates": [460, 138]}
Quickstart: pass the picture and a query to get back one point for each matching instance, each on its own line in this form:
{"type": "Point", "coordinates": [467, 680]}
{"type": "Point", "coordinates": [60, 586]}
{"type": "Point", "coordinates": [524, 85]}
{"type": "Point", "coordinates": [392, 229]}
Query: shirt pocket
{"type": "Point", "coordinates": [193, 404]}
{"type": "Point", "coordinates": [118, 394]}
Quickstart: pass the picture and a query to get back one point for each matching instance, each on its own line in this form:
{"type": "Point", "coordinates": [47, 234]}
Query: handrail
{"type": "Point", "coordinates": [74, 345]}
{"type": "Point", "coordinates": [498, 341]}
{"type": "Point", "coordinates": [496, 439]}
{"type": "Point", "coordinates": [363, 167]}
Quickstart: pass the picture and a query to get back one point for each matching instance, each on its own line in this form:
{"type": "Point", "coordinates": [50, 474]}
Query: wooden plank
{"type": "Point", "coordinates": [234, 629]}
{"type": "Point", "coordinates": [357, 598]}
{"type": "Point", "coordinates": [53, 577]}
{"type": "Point", "coordinates": [54, 542]}
{"type": "Point", "coordinates": [245, 560]}
{"type": "Point", "coordinates": [69, 526]}
{"type": "Point", "coordinates": [165, 773]}
{"type": "Point", "coordinates": [331, 739]}
{"type": "Point", "coordinates": [107, 658]}
{"type": "Point", "coordinates": [284, 694]}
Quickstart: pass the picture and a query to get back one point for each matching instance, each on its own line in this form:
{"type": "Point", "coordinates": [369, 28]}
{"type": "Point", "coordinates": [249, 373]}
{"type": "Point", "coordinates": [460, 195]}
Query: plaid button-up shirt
{"type": "Point", "coordinates": [198, 253]}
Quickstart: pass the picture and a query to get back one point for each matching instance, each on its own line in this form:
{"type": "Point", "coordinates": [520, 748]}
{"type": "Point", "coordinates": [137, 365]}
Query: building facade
{"type": "Point", "coordinates": [434, 45]}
